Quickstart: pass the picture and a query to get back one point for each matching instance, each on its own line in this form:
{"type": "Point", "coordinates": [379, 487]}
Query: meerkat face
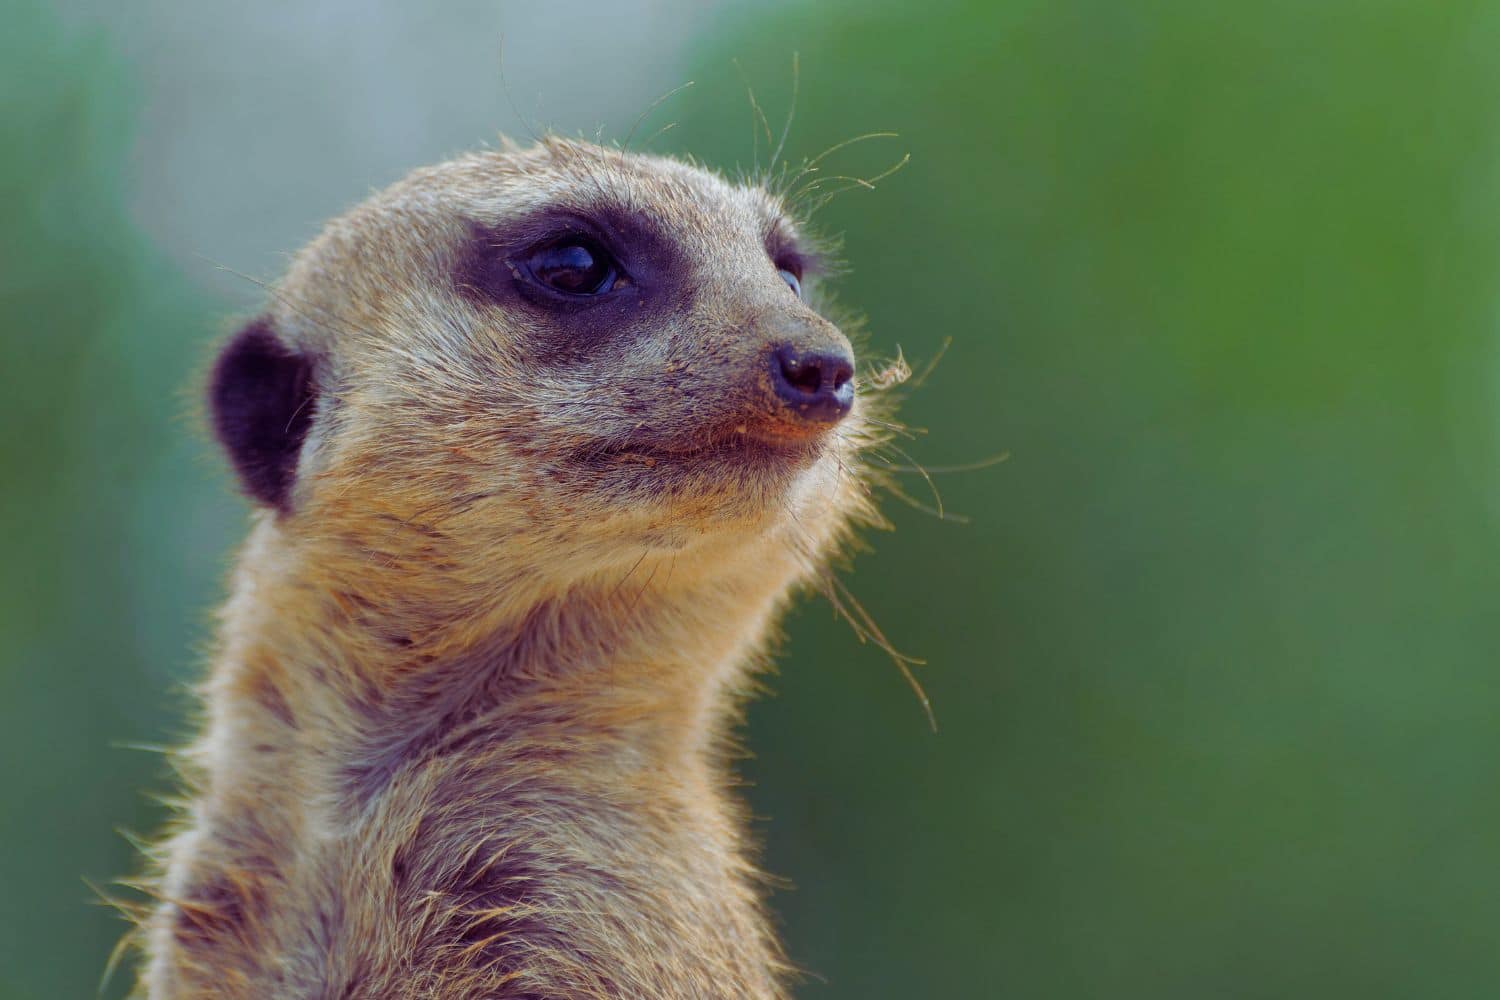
{"type": "Point", "coordinates": [569, 342]}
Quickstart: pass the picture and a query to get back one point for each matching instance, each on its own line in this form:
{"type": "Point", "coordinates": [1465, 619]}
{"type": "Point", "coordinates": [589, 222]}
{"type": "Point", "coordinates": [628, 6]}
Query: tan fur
{"type": "Point", "coordinates": [466, 725]}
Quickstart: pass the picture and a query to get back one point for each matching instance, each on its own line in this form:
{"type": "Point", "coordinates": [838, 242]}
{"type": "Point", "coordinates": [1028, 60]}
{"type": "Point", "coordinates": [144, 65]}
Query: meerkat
{"type": "Point", "coordinates": [541, 440]}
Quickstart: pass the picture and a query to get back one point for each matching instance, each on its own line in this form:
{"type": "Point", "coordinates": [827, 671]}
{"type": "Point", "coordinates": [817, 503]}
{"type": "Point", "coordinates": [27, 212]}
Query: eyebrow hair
{"type": "Point", "coordinates": [786, 244]}
{"type": "Point", "coordinates": [617, 225]}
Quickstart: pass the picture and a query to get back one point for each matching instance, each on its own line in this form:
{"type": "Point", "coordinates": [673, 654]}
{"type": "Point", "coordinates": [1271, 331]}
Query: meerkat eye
{"type": "Point", "coordinates": [574, 266]}
{"type": "Point", "coordinates": [793, 281]}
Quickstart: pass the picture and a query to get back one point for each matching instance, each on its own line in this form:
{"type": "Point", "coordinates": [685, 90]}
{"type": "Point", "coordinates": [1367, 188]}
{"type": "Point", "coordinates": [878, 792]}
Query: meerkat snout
{"type": "Point", "coordinates": [815, 385]}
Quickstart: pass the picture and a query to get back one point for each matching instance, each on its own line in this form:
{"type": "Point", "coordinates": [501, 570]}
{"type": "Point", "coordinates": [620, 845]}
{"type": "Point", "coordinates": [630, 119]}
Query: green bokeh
{"type": "Point", "coordinates": [1214, 663]}
{"type": "Point", "coordinates": [109, 561]}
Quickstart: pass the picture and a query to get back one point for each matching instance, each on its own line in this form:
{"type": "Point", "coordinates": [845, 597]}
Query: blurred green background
{"type": "Point", "coordinates": [1215, 661]}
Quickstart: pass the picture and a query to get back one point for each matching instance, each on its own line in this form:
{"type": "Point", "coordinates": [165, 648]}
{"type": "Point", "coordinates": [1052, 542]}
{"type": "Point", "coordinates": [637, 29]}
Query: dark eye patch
{"type": "Point", "coordinates": [498, 262]}
{"type": "Point", "coordinates": [577, 279]}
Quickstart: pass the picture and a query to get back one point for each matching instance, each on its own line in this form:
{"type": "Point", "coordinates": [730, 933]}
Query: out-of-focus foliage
{"type": "Point", "coordinates": [113, 531]}
{"type": "Point", "coordinates": [1214, 663]}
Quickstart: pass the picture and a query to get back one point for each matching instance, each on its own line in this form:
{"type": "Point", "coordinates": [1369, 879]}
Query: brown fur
{"type": "Point", "coordinates": [466, 725]}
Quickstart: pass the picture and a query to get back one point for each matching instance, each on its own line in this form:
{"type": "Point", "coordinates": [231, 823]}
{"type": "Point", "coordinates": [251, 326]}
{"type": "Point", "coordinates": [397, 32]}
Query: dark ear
{"type": "Point", "coordinates": [262, 396]}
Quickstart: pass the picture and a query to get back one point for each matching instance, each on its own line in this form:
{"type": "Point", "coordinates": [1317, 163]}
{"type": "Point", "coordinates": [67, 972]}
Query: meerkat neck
{"type": "Point", "coordinates": [649, 662]}
{"type": "Point", "coordinates": [571, 742]}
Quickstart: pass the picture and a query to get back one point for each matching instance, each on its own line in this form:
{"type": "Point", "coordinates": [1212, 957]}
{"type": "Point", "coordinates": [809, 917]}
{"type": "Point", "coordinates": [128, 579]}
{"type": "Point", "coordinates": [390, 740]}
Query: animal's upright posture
{"type": "Point", "coordinates": [542, 440]}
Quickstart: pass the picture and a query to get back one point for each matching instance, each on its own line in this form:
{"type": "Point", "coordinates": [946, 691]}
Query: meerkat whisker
{"type": "Point", "coordinates": [937, 497]}
{"type": "Point", "coordinates": [791, 111]}
{"type": "Point", "coordinates": [811, 166]}
{"type": "Point", "coordinates": [758, 122]}
{"type": "Point", "coordinates": [916, 504]}
{"type": "Point", "coordinates": [938, 470]}
{"type": "Point", "coordinates": [625, 146]}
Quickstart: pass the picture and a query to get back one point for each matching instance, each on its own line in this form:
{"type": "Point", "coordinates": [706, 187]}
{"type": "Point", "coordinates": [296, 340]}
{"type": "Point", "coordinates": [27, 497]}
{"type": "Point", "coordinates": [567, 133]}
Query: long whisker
{"type": "Point", "coordinates": [847, 605]}
{"type": "Point", "coordinates": [864, 182]}
{"type": "Point", "coordinates": [669, 126]}
{"type": "Point", "coordinates": [811, 165]}
{"type": "Point", "coordinates": [758, 121]}
{"type": "Point", "coordinates": [329, 319]}
{"type": "Point", "coordinates": [156, 748]}
{"type": "Point", "coordinates": [910, 433]}
{"type": "Point", "coordinates": [791, 111]}
{"type": "Point", "coordinates": [936, 496]}
{"type": "Point", "coordinates": [510, 97]}
{"type": "Point", "coordinates": [927, 369]}
{"type": "Point", "coordinates": [938, 470]}
{"type": "Point", "coordinates": [653, 106]}
{"type": "Point", "coordinates": [916, 504]}
{"type": "Point", "coordinates": [817, 182]}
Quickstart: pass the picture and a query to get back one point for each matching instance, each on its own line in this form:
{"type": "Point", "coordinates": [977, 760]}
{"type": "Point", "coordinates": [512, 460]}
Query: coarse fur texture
{"type": "Point", "coordinates": [516, 560]}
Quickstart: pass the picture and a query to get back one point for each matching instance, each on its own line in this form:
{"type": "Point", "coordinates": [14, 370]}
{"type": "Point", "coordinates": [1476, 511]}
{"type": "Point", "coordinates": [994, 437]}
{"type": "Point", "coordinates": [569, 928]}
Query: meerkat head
{"type": "Point", "coordinates": [569, 352]}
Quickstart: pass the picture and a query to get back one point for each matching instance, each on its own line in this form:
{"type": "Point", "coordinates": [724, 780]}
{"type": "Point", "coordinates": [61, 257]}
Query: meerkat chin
{"type": "Point", "coordinates": [540, 440]}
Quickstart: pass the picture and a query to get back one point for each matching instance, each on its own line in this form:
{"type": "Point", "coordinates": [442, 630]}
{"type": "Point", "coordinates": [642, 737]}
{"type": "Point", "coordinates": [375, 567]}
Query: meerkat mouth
{"type": "Point", "coordinates": [739, 446]}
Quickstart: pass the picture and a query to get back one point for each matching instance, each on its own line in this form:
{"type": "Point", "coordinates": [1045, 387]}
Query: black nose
{"type": "Point", "coordinates": [816, 385]}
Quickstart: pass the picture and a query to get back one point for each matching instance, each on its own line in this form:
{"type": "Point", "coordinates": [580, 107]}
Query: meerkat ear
{"type": "Point", "coordinates": [261, 396]}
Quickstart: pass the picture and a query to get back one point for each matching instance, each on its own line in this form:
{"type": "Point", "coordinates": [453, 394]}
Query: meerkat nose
{"type": "Point", "coordinates": [817, 386]}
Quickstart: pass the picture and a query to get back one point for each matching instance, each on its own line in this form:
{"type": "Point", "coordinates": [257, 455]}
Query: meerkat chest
{"type": "Point", "coordinates": [515, 884]}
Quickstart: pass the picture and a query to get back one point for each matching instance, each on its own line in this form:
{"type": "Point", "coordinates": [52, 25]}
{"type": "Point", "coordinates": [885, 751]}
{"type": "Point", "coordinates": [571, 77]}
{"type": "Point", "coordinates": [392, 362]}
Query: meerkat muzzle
{"type": "Point", "coordinates": [813, 386]}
